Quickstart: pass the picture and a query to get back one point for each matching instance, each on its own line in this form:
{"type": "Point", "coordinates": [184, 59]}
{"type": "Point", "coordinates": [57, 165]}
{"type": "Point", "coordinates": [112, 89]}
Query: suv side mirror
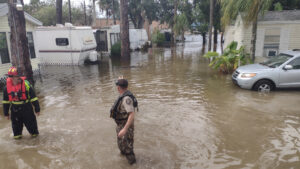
{"type": "Point", "coordinates": [288, 67]}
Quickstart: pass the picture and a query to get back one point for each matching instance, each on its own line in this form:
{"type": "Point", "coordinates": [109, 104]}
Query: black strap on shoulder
{"type": "Point", "coordinates": [114, 109]}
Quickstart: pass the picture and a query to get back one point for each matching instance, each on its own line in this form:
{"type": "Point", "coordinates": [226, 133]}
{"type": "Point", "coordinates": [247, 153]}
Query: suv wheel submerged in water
{"type": "Point", "coordinates": [263, 86]}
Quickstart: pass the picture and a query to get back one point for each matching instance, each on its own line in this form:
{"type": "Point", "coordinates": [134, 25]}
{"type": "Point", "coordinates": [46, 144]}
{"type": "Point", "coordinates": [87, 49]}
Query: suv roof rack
{"type": "Point", "coordinates": [296, 49]}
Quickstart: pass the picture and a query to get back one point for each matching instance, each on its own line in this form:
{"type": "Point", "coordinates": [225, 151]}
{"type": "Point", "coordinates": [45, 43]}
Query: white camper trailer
{"type": "Point", "coordinates": [106, 37]}
{"type": "Point", "coordinates": [66, 45]}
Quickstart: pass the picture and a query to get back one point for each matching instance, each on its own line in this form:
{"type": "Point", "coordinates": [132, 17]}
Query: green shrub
{"type": "Point", "coordinates": [116, 49]}
{"type": "Point", "coordinates": [230, 60]}
{"type": "Point", "coordinates": [158, 38]}
{"type": "Point", "coordinates": [278, 6]}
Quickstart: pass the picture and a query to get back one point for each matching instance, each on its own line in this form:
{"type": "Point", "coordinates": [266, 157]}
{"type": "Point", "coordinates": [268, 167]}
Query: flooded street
{"type": "Point", "coordinates": [190, 117]}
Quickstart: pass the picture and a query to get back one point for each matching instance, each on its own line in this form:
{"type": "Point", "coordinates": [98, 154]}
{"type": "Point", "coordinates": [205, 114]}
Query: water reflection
{"type": "Point", "coordinates": [190, 117]}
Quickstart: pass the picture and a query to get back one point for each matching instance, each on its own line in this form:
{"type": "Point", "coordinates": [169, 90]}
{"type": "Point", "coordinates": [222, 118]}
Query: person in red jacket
{"type": "Point", "coordinates": [19, 96]}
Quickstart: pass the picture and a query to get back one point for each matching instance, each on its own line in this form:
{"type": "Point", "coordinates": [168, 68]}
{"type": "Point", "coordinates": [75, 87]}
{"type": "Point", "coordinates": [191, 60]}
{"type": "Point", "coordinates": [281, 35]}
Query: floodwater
{"type": "Point", "coordinates": [190, 117]}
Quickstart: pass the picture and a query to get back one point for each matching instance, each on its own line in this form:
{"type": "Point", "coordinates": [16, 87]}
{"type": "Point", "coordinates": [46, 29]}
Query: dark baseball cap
{"type": "Point", "coordinates": [122, 83]}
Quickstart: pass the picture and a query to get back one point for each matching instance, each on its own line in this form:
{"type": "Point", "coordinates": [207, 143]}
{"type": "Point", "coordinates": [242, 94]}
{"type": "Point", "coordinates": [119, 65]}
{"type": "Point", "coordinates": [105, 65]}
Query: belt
{"type": "Point", "coordinates": [121, 119]}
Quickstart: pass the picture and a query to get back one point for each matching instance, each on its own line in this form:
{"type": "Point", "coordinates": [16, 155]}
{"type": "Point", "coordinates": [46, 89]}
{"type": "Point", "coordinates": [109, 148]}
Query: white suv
{"type": "Point", "coordinates": [282, 71]}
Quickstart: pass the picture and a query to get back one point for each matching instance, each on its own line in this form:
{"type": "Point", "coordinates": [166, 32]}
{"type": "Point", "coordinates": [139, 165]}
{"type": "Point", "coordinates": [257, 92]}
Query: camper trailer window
{"type": "Point", "coordinates": [62, 41]}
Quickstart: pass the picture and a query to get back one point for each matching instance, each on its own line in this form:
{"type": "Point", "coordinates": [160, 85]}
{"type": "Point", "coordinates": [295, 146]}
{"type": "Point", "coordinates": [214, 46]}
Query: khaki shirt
{"type": "Point", "coordinates": [125, 108]}
{"type": "Point", "coordinates": [126, 105]}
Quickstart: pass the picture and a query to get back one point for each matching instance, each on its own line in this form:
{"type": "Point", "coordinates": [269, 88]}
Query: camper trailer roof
{"type": "Point", "coordinates": [67, 26]}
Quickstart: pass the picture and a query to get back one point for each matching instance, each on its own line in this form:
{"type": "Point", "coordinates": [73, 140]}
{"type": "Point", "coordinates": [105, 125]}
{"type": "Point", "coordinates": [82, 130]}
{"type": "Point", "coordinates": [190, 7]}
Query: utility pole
{"type": "Point", "coordinates": [18, 40]}
{"type": "Point", "coordinates": [84, 8]}
{"type": "Point", "coordinates": [70, 14]}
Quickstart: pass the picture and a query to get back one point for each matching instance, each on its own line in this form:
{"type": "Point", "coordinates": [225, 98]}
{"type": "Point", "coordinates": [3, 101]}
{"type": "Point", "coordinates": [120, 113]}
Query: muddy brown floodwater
{"type": "Point", "coordinates": [190, 117]}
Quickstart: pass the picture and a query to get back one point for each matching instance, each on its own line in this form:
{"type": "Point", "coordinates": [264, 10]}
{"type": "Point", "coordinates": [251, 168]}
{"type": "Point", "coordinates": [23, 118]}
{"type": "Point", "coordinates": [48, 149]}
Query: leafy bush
{"type": "Point", "coordinates": [116, 49]}
{"type": "Point", "coordinates": [158, 38]}
{"type": "Point", "coordinates": [230, 60]}
{"type": "Point", "coordinates": [278, 6]}
{"type": "Point", "coordinates": [181, 24]}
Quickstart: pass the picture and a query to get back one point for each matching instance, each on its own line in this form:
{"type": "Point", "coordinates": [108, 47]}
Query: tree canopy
{"type": "Point", "coordinates": [45, 11]}
{"type": "Point", "coordinates": [250, 9]}
{"type": "Point", "coordinates": [196, 12]}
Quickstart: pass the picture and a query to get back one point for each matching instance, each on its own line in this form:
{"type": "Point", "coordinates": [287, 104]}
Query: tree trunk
{"type": "Point", "coordinates": [58, 11]}
{"type": "Point", "coordinates": [18, 41]}
{"type": "Point", "coordinates": [174, 20]}
{"type": "Point", "coordinates": [124, 28]}
{"type": "Point", "coordinates": [147, 27]}
{"type": "Point", "coordinates": [211, 20]}
{"type": "Point", "coordinates": [253, 39]}
{"type": "Point", "coordinates": [222, 41]}
{"type": "Point", "coordinates": [133, 20]}
{"type": "Point", "coordinates": [84, 8]}
{"type": "Point", "coordinates": [94, 14]}
{"type": "Point", "coordinates": [141, 21]}
{"type": "Point", "coordinates": [141, 24]}
{"type": "Point", "coordinates": [70, 13]}
{"type": "Point", "coordinates": [107, 15]}
{"type": "Point", "coordinates": [215, 39]}
{"type": "Point", "coordinates": [113, 11]}
{"type": "Point", "coordinates": [204, 38]}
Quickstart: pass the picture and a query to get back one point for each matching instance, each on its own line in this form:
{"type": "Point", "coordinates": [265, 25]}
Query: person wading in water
{"type": "Point", "coordinates": [19, 96]}
{"type": "Point", "coordinates": [123, 112]}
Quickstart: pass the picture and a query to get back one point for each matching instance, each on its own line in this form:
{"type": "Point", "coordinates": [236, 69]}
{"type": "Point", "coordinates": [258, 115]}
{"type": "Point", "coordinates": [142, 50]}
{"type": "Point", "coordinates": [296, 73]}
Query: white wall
{"type": "Point", "coordinates": [4, 27]}
{"type": "Point", "coordinates": [289, 34]}
{"type": "Point", "coordinates": [260, 38]}
{"type": "Point", "coordinates": [294, 36]}
{"type": "Point", "coordinates": [284, 38]}
{"type": "Point", "coordinates": [236, 33]}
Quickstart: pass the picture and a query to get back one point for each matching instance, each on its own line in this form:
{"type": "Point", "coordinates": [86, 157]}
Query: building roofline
{"type": "Point", "coordinates": [63, 27]}
{"type": "Point", "coordinates": [278, 22]}
{"type": "Point", "coordinates": [32, 19]}
{"type": "Point", "coordinates": [285, 15]}
{"type": "Point", "coordinates": [4, 11]}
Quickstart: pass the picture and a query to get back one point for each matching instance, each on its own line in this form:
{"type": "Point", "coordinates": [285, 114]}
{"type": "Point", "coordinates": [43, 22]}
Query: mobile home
{"type": "Point", "coordinates": [276, 31]}
{"type": "Point", "coordinates": [106, 37]}
{"type": "Point", "coordinates": [64, 44]}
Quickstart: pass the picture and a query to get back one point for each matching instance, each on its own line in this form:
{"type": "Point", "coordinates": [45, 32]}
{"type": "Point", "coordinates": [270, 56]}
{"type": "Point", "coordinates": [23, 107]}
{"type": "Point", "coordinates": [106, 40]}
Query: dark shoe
{"type": "Point", "coordinates": [122, 153]}
{"type": "Point", "coordinates": [131, 158]}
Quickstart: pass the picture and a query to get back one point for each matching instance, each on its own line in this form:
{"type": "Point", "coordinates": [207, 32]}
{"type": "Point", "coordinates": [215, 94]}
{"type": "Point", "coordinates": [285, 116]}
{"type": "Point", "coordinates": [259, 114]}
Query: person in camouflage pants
{"type": "Point", "coordinates": [125, 143]}
{"type": "Point", "coordinates": [123, 113]}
